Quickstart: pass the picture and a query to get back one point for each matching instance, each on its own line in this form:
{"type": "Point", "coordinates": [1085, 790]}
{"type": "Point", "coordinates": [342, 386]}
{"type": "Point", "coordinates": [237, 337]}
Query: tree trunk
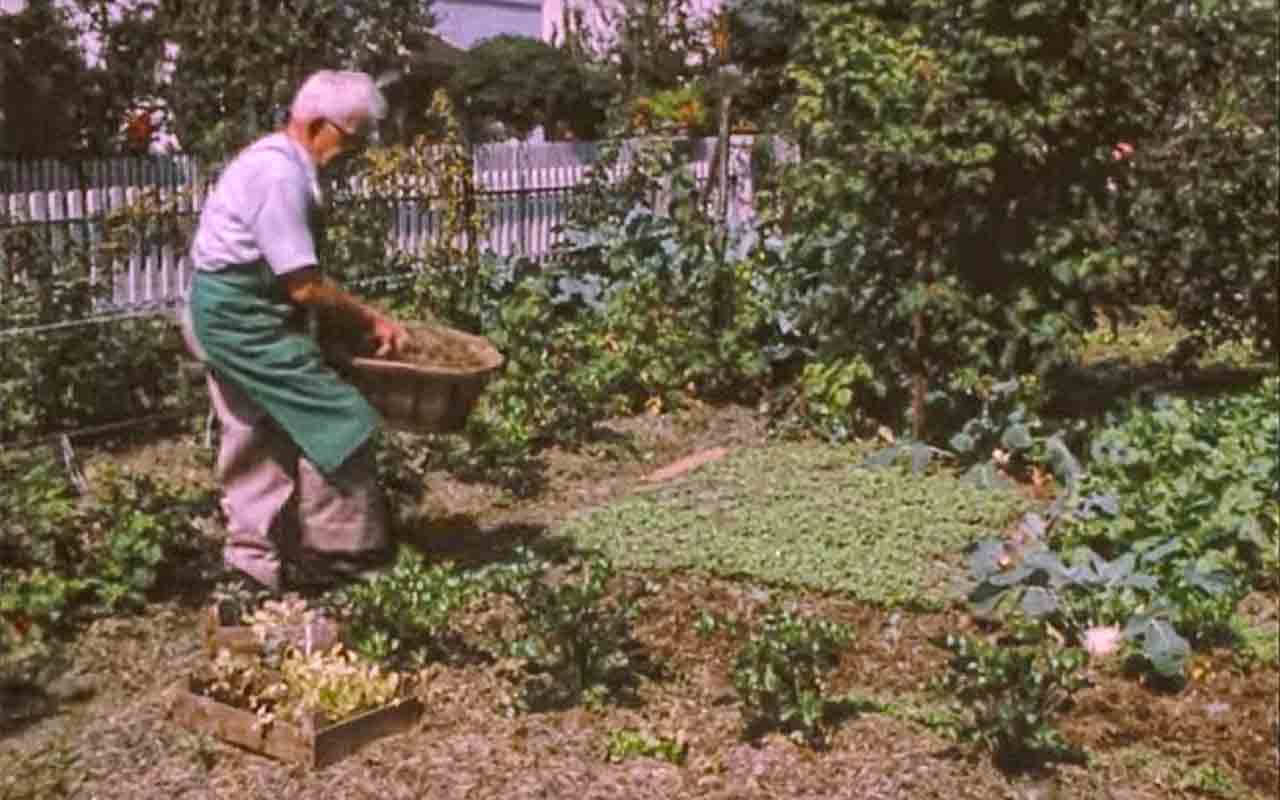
{"type": "Point", "coordinates": [920, 380]}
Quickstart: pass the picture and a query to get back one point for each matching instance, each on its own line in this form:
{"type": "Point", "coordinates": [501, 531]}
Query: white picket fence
{"type": "Point", "coordinates": [525, 189]}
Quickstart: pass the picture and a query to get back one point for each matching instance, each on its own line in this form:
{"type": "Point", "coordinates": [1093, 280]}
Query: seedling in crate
{"type": "Point", "coordinates": [272, 688]}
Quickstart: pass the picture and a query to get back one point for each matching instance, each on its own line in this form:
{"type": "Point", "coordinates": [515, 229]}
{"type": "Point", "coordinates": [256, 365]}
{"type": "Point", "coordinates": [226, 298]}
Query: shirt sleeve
{"type": "Point", "coordinates": [281, 227]}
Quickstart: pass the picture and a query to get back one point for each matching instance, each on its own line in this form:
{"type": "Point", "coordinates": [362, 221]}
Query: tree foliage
{"type": "Point", "coordinates": [961, 199]}
{"type": "Point", "coordinates": [41, 75]}
{"type": "Point", "coordinates": [653, 45]}
{"type": "Point", "coordinates": [524, 82]}
{"type": "Point", "coordinates": [239, 63]}
{"type": "Point", "coordinates": [762, 35]}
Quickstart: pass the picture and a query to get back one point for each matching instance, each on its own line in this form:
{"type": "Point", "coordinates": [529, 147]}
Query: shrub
{"type": "Point", "coordinates": [578, 637]}
{"type": "Point", "coordinates": [958, 200]}
{"type": "Point", "coordinates": [525, 83]}
{"type": "Point", "coordinates": [1011, 693]}
{"type": "Point", "coordinates": [67, 559]}
{"type": "Point", "coordinates": [61, 371]}
{"type": "Point", "coordinates": [672, 294]}
{"type": "Point", "coordinates": [779, 673]}
{"type": "Point", "coordinates": [402, 617]}
{"type": "Point", "coordinates": [638, 310]}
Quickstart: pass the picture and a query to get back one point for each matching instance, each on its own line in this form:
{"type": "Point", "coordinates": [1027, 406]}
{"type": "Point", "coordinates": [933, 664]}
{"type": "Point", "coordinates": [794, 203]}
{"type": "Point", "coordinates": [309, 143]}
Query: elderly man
{"type": "Point", "coordinates": [295, 463]}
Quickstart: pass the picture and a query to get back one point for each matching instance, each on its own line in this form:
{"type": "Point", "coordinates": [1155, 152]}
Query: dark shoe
{"type": "Point", "coordinates": [321, 573]}
{"type": "Point", "coordinates": [237, 593]}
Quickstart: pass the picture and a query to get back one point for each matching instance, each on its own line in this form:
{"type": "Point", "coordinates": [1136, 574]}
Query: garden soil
{"type": "Point", "coordinates": [431, 346]}
{"type": "Point", "coordinates": [102, 732]}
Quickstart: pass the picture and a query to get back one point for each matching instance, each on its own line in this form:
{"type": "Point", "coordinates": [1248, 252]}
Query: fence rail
{"type": "Point", "coordinates": [524, 189]}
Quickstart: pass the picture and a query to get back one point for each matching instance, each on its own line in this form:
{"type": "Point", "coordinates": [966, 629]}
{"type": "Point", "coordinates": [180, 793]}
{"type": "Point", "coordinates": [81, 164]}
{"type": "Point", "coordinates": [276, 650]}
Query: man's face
{"type": "Point", "coordinates": [339, 141]}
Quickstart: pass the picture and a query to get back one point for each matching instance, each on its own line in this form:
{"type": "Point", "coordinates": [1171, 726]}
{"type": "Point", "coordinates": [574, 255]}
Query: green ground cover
{"type": "Point", "coordinates": [804, 515]}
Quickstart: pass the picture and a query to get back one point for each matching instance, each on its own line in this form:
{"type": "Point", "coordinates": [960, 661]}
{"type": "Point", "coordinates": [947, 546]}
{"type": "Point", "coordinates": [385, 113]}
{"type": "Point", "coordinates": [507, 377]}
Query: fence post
{"type": "Point", "coordinates": [523, 220]}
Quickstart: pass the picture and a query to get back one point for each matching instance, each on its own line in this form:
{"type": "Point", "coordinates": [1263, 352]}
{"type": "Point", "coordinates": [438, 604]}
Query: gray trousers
{"type": "Point", "coordinates": [278, 505]}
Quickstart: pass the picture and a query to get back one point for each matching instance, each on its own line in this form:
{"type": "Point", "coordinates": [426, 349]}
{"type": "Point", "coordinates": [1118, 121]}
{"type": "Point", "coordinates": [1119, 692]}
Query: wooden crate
{"type": "Point", "coordinates": [322, 635]}
{"type": "Point", "coordinates": [308, 744]}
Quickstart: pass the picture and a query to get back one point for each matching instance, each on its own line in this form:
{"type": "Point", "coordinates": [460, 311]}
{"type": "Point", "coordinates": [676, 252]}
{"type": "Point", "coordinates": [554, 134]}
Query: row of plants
{"type": "Point", "coordinates": [559, 628]}
{"type": "Point", "coordinates": [1142, 563]}
{"type": "Point", "coordinates": [67, 558]}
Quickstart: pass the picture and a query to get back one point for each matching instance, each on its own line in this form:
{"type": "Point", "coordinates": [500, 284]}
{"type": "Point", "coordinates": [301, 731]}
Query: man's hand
{"type": "Point", "coordinates": [307, 287]}
{"type": "Point", "coordinates": [390, 336]}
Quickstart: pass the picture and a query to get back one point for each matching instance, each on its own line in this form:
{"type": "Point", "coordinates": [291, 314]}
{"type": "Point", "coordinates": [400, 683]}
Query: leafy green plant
{"type": "Point", "coordinates": [710, 623]}
{"type": "Point", "coordinates": [402, 617]}
{"type": "Point", "coordinates": [150, 536]}
{"type": "Point", "coordinates": [1211, 780]}
{"type": "Point", "coordinates": [1010, 694]}
{"type": "Point", "coordinates": [68, 558]}
{"type": "Point", "coordinates": [1003, 441]}
{"type": "Point", "coordinates": [1089, 592]}
{"type": "Point", "coordinates": [402, 460]}
{"type": "Point", "coordinates": [1201, 472]}
{"type": "Point", "coordinates": [61, 370]}
{"type": "Point", "coordinates": [1006, 434]}
{"type": "Point", "coordinates": [627, 743]}
{"type": "Point", "coordinates": [336, 684]}
{"type": "Point", "coordinates": [1259, 644]}
{"type": "Point", "coordinates": [779, 673]}
{"type": "Point", "coordinates": [835, 398]}
{"type": "Point", "coordinates": [578, 636]}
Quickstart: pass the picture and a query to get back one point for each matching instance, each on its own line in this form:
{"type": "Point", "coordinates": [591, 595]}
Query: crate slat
{"type": "Point", "coordinates": [284, 741]}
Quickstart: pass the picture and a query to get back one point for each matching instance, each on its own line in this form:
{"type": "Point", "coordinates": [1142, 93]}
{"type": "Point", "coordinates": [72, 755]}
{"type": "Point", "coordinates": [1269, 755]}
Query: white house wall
{"type": "Point", "coordinates": [462, 23]}
{"type": "Point", "coordinates": [600, 17]}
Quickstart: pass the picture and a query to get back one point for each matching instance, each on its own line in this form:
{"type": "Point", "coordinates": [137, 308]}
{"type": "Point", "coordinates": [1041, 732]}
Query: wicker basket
{"type": "Point", "coordinates": [424, 398]}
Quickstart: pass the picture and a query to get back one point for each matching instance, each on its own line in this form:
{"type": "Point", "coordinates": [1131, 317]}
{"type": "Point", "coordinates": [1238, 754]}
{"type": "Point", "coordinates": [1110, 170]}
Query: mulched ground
{"type": "Point", "coordinates": [102, 732]}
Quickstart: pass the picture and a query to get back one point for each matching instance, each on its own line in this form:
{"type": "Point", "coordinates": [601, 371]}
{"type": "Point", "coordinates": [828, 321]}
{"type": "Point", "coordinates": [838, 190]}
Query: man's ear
{"type": "Point", "coordinates": [313, 128]}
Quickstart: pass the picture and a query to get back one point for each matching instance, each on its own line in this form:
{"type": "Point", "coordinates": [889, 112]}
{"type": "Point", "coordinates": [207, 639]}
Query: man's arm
{"type": "Point", "coordinates": [308, 288]}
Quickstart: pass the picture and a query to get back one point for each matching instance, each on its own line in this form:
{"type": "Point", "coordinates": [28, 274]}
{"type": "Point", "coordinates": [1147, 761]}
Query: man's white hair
{"type": "Point", "coordinates": [341, 97]}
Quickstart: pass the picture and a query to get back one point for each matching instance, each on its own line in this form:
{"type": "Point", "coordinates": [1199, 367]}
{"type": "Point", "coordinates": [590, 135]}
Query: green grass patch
{"type": "Point", "coordinates": [1149, 339]}
{"type": "Point", "coordinates": [804, 515]}
{"type": "Point", "coordinates": [1258, 643]}
{"type": "Point", "coordinates": [1153, 337]}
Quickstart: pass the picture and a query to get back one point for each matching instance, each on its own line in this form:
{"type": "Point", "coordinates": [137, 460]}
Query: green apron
{"type": "Point", "coordinates": [242, 319]}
